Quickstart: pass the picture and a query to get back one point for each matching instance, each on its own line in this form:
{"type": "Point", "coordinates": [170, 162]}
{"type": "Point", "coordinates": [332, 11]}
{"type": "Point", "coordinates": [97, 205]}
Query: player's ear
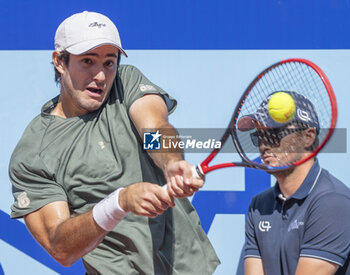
{"type": "Point", "coordinates": [58, 62]}
{"type": "Point", "coordinates": [309, 137]}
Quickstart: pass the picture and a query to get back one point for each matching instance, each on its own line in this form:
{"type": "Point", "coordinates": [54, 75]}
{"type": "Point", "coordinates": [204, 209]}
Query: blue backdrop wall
{"type": "Point", "coordinates": [204, 53]}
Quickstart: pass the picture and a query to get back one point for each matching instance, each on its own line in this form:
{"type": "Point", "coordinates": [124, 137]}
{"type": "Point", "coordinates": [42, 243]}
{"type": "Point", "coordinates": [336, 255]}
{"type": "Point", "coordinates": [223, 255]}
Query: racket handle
{"type": "Point", "coordinates": [196, 173]}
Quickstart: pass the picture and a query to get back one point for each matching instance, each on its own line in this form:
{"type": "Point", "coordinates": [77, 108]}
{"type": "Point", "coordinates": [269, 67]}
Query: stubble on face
{"type": "Point", "coordinates": [288, 150]}
{"type": "Point", "coordinates": [87, 81]}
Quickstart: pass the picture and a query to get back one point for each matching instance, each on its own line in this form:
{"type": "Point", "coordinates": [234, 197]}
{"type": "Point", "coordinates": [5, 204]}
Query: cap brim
{"type": "Point", "coordinates": [86, 46]}
{"type": "Point", "coordinates": [248, 122]}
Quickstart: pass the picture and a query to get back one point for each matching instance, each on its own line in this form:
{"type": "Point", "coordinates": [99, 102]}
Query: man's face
{"type": "Point", "coordinates": [282, 146]}
{"type": "Point", "coordinates": [87, 80]}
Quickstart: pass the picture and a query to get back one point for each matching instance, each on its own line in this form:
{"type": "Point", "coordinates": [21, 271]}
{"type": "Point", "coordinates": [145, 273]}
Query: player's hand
{"type": "Point", "coordinates": [145, 199]}
{"type": "Point", "coordinates": [180, 180]}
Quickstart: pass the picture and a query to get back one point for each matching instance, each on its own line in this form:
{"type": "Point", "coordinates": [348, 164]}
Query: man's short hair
{"type": "Point", "coordinates": [64, 56]}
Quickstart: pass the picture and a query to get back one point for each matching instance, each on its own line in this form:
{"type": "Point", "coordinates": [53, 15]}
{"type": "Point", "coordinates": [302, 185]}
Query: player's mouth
{"type": "Point", "coordinates": [267, 157]}
{"type": "Point", "coordinates": [95, 90]}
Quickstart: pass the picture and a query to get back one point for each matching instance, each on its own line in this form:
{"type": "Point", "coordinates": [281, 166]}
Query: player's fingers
{"type": "Point", "coordinates": [154, 210]}
{"type": "Point", "coordinates": [186, 169]}
{"type": "Point", "coordinates": [161, 198]}
{"type": "Point", "coordinates": [196, 183]}
{"type": "Point", "coordinates": [145, 209]}
{"type": "Point", "coordinates": [165, 195]}
{"type": "Point", "coordinates": [154, 206]}
{"type": "Point", "coordinates": [181, 190]}
{"type": "Point", "coordinates": [172, 193]}
{"type": "Point", "coordinates": [176, 188]}
{"type": "Point", "coordinates": [185, 188]}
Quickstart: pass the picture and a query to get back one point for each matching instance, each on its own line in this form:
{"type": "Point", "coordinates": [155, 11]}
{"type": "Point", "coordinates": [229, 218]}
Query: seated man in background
{"type": "Point", "coordinates": [302, 224]}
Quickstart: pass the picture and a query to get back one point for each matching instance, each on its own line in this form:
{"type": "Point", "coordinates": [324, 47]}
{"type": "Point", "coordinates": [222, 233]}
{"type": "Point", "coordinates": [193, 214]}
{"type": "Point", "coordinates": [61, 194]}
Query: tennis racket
{"type": "Point", "coordinates": [250, 127]}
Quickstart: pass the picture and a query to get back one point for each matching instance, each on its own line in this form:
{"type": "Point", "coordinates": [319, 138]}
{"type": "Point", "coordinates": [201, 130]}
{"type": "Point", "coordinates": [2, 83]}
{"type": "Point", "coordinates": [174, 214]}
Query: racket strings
{"type": "Point", "coordinates": [290, 77]}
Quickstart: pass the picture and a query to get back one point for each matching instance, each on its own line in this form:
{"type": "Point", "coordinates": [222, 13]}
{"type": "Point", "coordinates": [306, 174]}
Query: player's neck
{"type": "Point", "coordinates": [65, 109]}
{"type": "Point", "coordinates": [58, 110]}
{"type": "Point", "coordinates": [290, 181]}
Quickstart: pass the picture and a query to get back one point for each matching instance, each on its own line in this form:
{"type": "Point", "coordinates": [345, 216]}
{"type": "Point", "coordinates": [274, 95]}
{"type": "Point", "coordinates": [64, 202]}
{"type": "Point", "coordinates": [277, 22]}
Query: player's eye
{"type": "Point", "coordinates": [265, 137]}
{"type": "Point", "coordinates": [87, 61]}
{"type": "Point", "coordinates": [109, 63]}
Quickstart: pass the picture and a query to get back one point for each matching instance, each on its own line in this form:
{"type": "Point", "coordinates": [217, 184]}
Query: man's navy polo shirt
{"type": "Point", "coordinates": [313, 222]}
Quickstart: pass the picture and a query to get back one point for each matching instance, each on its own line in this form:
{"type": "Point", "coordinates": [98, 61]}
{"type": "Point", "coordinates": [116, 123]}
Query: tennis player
{"type": "Point", "coordinates": [302, 224]}
{"type": "Point", "coordinates": [81, 179]}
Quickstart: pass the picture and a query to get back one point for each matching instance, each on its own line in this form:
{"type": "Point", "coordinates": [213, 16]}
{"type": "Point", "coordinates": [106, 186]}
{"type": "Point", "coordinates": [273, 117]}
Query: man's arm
{"type": "Point", "coordinates": [253, 266]}
{"type": "Point", "coordinates": [69, 238]}
{"type": "Point", "coordinates": [150, 112]}
{"type": "Point", "coordinates": [311, 266]}
{"type": "Point", "coordinates": [66, 239]}
{"type": "Point", "coordinates": [326, 238]}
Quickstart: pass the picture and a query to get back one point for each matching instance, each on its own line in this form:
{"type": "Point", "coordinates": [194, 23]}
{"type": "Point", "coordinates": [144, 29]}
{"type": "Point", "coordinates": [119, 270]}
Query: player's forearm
{"type": "Point", "coordinates": [309, 265]}
{"type": "Point", "coordinates": [253, 266]}
{"type": "Point", "coordinates": [74, 238]}
{"type": "Point", "coordinates": [164, 156]}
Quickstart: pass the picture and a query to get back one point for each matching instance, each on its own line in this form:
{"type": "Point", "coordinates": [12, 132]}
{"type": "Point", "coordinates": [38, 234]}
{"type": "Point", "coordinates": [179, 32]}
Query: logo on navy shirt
{"type": "Point", "coordinates": [264, 226]}
{"type": "Point", "coordinates": [295, 225]}
{"type": "Point", "coordinates": [151, 140]}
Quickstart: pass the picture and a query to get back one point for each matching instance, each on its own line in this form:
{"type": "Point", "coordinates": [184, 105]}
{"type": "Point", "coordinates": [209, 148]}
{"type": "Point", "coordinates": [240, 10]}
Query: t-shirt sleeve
{"type": "Point", "coordinates": [33, 186]}
{"type": "Point", "coordinates": [135, 85]}
{"type": "Point", "coordinates": [327, 230]}
{"type": "Point", "coordinates": [251, 249]}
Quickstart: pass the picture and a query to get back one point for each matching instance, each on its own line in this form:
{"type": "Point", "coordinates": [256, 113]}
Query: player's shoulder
{"type": "Point", "coordinates": [30, 142]}
{"type": "Point", "coordinates": [125, 69]}
{"type": "Point", "coordinates": [129, 75]}
{"type": "Point", "coordinates": [329, 185]}
{"type": "Point", "coordinates": [329, 193]}
{"type": "Point", "coordinates": [33, 131]}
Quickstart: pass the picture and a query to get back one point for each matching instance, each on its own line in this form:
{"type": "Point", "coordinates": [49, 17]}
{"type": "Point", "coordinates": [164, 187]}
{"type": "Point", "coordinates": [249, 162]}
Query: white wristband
{"type": "Point", "coordinates": [108, 213]}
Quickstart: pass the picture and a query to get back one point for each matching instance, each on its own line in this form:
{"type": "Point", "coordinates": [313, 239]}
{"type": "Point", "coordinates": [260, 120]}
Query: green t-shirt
{"type": "Point", "coordinates": [81, 160]}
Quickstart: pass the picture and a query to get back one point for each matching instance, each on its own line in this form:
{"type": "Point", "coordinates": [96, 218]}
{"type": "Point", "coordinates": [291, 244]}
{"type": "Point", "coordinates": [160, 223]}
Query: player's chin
{"type": "Point", "coordinates": [274, 162]}
{"type": "Point", "coordinates": [270, 161]}
{"type": "Point", "coordinates": [92, 105]}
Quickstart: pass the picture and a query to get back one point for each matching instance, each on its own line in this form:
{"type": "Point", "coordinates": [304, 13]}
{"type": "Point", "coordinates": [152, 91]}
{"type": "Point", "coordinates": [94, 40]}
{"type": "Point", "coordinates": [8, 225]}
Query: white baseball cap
{"type": "Point", "coordinates": [84, 31]}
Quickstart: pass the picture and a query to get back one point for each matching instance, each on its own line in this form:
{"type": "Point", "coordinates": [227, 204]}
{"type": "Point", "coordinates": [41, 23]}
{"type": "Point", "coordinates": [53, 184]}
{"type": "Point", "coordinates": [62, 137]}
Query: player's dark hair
{"type": "Point", "coordinates": [118, 60]}
{"type": "Point", "coordinates": [64, 56]}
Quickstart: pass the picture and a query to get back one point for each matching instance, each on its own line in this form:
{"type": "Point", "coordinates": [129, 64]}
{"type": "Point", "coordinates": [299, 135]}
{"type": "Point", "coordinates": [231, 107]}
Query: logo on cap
{"type": "Point", "coordinates": [96, 24]}
{"type": "Point", "coordinates": [303, 115]}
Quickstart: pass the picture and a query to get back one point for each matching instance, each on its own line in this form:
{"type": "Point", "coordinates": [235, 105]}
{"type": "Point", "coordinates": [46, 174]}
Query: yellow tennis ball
{"type": "Point", "coordinates": [281, 107]}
